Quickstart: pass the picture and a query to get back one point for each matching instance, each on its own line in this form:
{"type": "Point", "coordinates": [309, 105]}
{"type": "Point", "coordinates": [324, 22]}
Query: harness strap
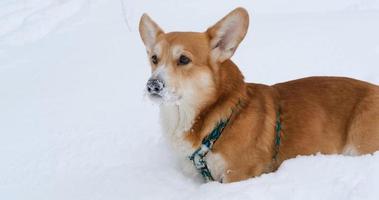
{"type": "Point", "coordinates": [278, 134]}
{"type": "Point", "coordinates": [197, 157]}
{"type": "Point", "coordinates": [206, 145]}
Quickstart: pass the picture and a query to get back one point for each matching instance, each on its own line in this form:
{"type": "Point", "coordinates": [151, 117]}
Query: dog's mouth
{"type": "Point", "coordinates": [164, 97]}
{"type": "Point", "coordinates": [155, 95]}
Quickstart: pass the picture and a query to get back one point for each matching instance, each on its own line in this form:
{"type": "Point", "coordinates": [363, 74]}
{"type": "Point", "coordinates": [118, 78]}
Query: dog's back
{"type": "Point", "coordinates": [328, 115]}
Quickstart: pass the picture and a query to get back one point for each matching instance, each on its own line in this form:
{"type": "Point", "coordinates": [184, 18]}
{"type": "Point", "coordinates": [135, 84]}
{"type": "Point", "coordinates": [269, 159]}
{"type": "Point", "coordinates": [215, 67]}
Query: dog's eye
{"type": "Point", "coordinates": [154, 59]}
{"type": "Point", "coordinates": [183, 60]}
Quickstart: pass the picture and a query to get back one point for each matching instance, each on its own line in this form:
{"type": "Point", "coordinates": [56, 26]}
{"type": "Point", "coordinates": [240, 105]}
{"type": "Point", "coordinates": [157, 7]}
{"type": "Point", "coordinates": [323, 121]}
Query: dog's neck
{"type": "Point", "coordinates": [194, 121]}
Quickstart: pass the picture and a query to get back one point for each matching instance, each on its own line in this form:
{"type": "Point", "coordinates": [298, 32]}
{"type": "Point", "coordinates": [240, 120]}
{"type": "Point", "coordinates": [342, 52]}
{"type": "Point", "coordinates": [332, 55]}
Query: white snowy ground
{"type": "Point", "coordinates": [74, 123]}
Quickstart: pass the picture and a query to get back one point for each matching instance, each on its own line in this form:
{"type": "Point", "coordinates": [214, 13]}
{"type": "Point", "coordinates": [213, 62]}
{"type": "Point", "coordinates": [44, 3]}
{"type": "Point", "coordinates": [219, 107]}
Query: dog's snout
{"type": "Point", "coordinates": [154, 86]}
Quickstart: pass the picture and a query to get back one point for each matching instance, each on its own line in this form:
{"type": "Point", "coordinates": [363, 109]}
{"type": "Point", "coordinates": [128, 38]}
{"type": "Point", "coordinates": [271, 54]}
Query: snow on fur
{"type": "Point", "coordinates": [74, 124]}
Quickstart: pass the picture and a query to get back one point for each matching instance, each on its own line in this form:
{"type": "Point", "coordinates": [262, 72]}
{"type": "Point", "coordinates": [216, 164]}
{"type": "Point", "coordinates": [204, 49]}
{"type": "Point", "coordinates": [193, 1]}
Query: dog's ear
{"type": "Point", "coordinates": [227, 34]}
{"type": "Point", "coordinates": [149, 31]}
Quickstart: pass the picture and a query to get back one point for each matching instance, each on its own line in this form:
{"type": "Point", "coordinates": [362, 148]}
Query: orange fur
{"type": "Point", "coordinates": [318, 114]}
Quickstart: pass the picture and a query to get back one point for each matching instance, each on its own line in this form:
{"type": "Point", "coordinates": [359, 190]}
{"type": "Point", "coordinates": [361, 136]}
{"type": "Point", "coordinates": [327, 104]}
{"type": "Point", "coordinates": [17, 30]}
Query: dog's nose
{"type": "Point", "coordinates": [154, 86]}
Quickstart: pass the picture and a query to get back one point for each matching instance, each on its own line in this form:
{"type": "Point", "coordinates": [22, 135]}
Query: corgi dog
{"type": "Point", "coordinates": [224, 129]}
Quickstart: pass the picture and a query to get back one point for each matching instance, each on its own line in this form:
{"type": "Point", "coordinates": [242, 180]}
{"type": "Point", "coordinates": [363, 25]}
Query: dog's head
{"type": "Point", "coordinates": [185, 65]}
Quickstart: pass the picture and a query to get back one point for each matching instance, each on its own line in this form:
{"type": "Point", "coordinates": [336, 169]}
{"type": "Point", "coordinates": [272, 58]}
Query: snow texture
{"type": "Point", "coordinates": [74, 123]}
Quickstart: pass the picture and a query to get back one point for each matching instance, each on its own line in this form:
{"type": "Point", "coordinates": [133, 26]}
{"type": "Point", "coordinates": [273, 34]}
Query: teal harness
{"type": "Point", "coordinates": [206, 145]}
{"type": "Point", "coordinates": [197, 157]}
{"type": "Point", "coordinates": [278, 135]}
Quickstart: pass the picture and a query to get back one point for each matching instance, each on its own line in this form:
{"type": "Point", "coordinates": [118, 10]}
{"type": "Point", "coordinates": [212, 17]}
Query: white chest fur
{"type": "Point", "coordinates": [176, 121]}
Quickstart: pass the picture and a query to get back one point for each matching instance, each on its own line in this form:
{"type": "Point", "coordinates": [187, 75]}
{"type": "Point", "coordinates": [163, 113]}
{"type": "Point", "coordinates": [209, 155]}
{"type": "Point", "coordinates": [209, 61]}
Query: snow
{"type": "Point", "coordinates": [74, 123]}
